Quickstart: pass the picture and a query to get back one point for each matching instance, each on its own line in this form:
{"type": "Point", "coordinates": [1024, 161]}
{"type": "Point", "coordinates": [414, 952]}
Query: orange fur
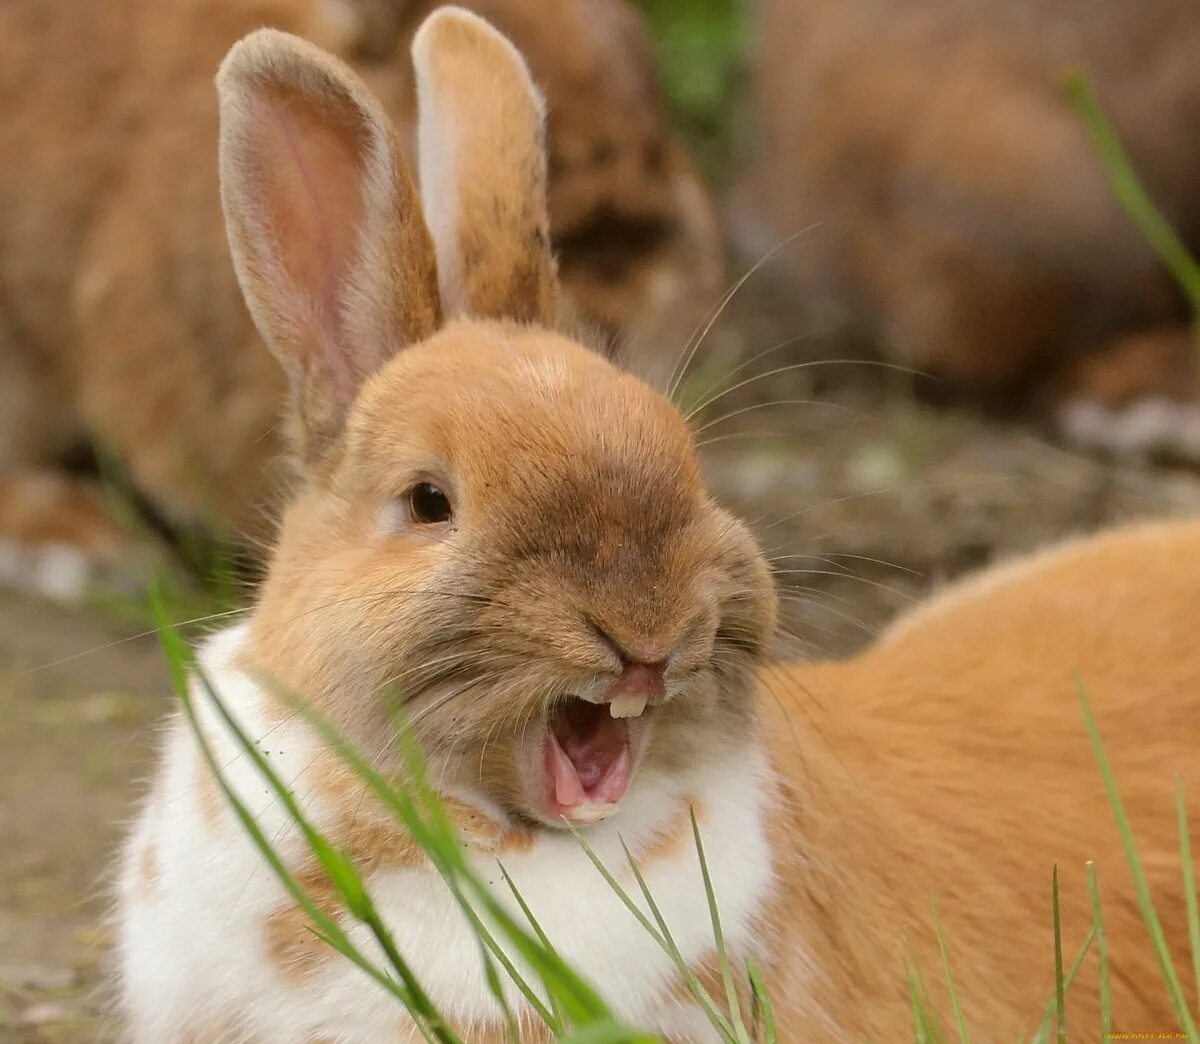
{"type": "Point", "coordinates": [949, 762]}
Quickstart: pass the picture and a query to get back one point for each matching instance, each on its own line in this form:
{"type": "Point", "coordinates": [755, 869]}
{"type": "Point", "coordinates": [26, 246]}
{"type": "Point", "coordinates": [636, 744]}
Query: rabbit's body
{"type": "Point", "coordinates": [505, 536]}
{"type": "Point", "coordinates": [120, 317]}
{"type": "Point", "coordinates": [948, 763]}
{"type": "Point", "coordinates": [963, 217]}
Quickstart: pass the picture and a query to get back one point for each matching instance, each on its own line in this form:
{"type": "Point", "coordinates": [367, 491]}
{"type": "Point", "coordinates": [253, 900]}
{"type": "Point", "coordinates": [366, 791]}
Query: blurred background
{"type": "Point", "coordinates": [920, 277]}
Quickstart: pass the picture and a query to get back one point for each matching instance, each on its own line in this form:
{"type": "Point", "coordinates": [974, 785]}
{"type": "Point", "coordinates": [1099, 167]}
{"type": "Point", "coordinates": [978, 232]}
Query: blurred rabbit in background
{"type": "Point", "coordinates": [120, 320]}
{"type": "Point", "coordinates": [965, 223]}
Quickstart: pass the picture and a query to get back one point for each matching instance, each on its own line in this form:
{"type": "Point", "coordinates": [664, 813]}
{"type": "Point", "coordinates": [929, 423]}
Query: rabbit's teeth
{"type": "Point", "coordinates": [627, 706]}
{"type": "Point", "coordinates": [592, 811]}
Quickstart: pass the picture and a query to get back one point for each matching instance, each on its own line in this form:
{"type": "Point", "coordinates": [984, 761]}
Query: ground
{"type": "Point", "coordinates": [869, 499]}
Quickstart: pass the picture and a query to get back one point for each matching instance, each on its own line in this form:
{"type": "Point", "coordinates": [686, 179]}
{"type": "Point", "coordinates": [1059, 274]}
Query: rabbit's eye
{"type": "Point", "coordinates": [429, 505]}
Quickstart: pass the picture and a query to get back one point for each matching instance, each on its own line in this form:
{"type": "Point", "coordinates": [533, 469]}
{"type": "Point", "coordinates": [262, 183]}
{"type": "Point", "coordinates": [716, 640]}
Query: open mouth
{"type": "Point", "coordinates": [591, 752]}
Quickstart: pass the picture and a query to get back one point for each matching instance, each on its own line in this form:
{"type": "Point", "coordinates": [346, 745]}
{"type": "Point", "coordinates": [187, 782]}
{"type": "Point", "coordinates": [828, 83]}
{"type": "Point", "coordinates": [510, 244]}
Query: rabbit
{"type": "Point", "coordinates": [120, 319]}
{"type": "Point", "coordinates": [964, 221]}
{"type": "Point", "coordinates": [505, 537]}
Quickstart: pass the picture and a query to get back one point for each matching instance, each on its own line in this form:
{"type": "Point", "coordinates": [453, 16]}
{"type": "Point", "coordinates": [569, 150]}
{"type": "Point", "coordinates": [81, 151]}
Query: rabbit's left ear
{"type": "Point", "coordinates": [481, 143]}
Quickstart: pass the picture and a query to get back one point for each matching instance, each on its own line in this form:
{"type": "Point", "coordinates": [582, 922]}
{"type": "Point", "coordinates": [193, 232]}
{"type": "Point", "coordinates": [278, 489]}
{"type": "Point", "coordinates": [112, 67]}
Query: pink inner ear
{"type": "Point", "coordinates": [310, 184]}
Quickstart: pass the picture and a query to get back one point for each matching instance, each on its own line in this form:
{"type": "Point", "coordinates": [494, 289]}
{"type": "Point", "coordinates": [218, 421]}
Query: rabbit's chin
{"type": "Point", "coordinates": [577, 767]}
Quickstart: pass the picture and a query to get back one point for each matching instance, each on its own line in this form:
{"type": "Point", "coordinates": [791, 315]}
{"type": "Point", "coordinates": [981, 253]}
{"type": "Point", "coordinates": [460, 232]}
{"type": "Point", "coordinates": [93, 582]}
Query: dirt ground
{"type": "Point", "coordinates": [868, 499]}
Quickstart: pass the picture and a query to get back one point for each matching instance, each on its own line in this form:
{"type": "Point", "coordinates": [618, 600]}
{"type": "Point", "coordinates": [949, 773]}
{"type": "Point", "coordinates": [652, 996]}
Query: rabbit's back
{"type": "Point", "coordinates": [950, 761]}
{"type": "Point", "coordinates": [965, 221]}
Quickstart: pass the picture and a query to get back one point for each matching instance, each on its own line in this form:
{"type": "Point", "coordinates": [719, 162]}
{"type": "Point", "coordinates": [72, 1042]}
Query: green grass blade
{"type": "Point", "coordinates": [1189, 882]}
{"type": "Point", "coordinates": [715, 1016]}
{"type": "Point", "coordinates": [433, 833]}
{"type": "Point", "coordinates": [762, 1002]}
{"type": "Point", "coordinates": [339, 868]}
{"type": "Point", "coordinates": [1043, 1033]}
{"type": "Point", "coordinates": [608, 1033]}
{"type": "Point", "coordinates": [553, 1016]}
{"type": "Point", "coordinates": [176, 651]}
{"type": "Point", "coordinates": [325, 927]}
{"type": "Point", "coordinates": [1129, 191]}
{"type": "Point", "coordinates": [1141, 884]}
{"type": "Point", "coordinates": [945, 951]}
{"type": "Point", "coordinates": [735, 1007]}
{"type": "Point", "coordinates": [921, 1034]}
{"type": "Point", "coordinates": [620, 892]}
{"type": "Point", "coordinates": [697, 990]}
{"type": "Point", "coordinates": [1101, 953]}
{"type": "Point", "coordinates": [431, 826]}
{"type": "Point", "coordinates": [581, 1003]}
{"type": "Point", "coordinates": [1060, 992]}
{"type": "Point", "coordinates": [496, 989]}
{"type": "Point", "coordinates": [535, 925]}
{"type": "Point", "coordinates": [929, 1014]}
{"type": "Point", "coordinates": [179, 661]}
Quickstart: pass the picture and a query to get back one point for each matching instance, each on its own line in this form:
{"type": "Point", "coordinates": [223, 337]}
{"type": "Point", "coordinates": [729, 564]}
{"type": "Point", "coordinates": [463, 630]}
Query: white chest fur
{"type": "Point", "coordinates": [195, 897]}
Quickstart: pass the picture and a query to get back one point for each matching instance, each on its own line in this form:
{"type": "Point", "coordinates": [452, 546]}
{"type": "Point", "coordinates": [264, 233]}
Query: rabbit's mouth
{"type": "Point", "coordinates": [591, 752]}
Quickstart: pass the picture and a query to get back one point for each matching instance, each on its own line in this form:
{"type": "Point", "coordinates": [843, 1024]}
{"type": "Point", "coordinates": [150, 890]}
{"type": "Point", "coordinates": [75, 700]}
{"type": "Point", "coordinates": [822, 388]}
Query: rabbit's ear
{"type": "Point", "coordinates": [333, 256]}
{"type": "Point", "coordinates": [481, 142]}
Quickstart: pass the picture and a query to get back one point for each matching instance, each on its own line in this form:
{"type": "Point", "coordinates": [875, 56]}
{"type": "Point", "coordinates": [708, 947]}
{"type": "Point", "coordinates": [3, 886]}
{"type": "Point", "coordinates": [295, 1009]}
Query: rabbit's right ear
{"type": "Point", "coordinates": [331, 251]}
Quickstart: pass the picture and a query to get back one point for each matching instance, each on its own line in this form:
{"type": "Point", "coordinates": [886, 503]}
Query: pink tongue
{"type": "Point", "coordinates": [587, 756]}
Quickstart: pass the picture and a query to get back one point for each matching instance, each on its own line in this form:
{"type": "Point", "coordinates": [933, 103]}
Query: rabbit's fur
{"type": "Point", "coordinates": [120, 319]}
{"type": "Point", "coordinates": [964, 220]}
{"type": "Point", "coordinates": [571, 554]}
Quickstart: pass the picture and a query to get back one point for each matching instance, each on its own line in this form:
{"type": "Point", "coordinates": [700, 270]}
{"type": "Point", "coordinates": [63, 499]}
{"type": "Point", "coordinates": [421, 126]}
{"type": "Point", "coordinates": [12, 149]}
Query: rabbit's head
{"type": "Point", "coordinates": [497, 529]}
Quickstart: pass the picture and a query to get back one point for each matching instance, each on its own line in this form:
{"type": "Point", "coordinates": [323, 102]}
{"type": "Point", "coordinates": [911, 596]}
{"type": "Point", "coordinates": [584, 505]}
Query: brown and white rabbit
{"type": "Point", "coordinates": [120, 318]}
{"type": "Point", "coordinates": [963, 218]}
{"type": "Point", "coordinates": [506, 534]}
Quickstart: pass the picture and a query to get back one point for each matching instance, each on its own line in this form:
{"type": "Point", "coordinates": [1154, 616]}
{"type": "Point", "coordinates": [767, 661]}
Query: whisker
{"type": "Point", "coordinates": [750, 362]}
{"type": "Point", "coordinates": [841, 407]}
{"type": "Point", "coordinates": [848, 576]}
{"type": "Point", "coordinates": [793, 367]}
{"type": "Point", "coordinates": [739, 435]}
{"type": "Point", "coordinates": [832, 559]}
{"type": "Point", "coordinates": [706, 326]}
{"type": "Point", "coordinates": [130, 638]}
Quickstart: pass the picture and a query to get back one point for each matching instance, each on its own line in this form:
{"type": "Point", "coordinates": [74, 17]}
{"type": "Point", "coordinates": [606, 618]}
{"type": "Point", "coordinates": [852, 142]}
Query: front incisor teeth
{"type": "Point", "coordinates": [592, 811]}
{"type": "Point", "coordinates": [627, 706]}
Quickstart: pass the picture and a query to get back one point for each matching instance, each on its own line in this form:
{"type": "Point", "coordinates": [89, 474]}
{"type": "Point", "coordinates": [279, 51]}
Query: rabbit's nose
{"type": "Point", "coordinates": [641, 680]}
{"type": "Point", "coordinates": [642, 670]}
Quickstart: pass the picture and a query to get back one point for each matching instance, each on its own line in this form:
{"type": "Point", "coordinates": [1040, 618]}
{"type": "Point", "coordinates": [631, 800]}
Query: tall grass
{"type": "Point", "coordinates": [518, 957]}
